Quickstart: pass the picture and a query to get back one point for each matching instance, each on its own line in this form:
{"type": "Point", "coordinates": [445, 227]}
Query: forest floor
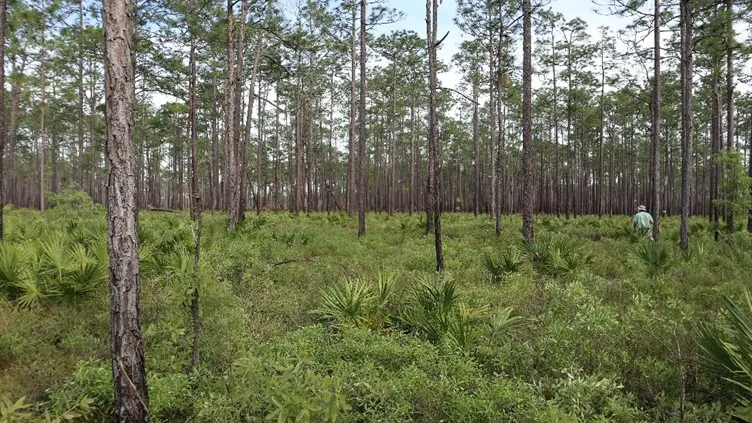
{"type": "Point", "coordinates": [301, 319]}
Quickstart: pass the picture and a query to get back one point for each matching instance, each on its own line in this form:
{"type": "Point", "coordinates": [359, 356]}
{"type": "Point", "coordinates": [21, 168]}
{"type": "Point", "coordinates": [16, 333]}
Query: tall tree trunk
{"type": "Point", "coordinates": [351, 202]}
{"type": "Point", "coordinates": [434, 168]}
{"type": "Point", "coordinates": [248, 121]}
{"type": "Point", "coordinates": [655, 177]}
{"type": "Point", "coordinates": [195, 195]}
{"type": "Point", "coordinates": [557, 181]}
{"type": "Point", "coordinates": [413, 155]}
{"type": "Point", "coordinates": [600, 133]}
{"type": "Point", "coordinates": [686, 130]}
{"type": "Point", "coordinates": [12, 133]}
{"type": "Point", "coordinates": [43, 105]}
{"type": "Point", "coordinates": [261, 152]}
{"type": "Point", "coordinates": [126, 346]}
{"type": "Point", "coordinates": [230, 126]}
{"type": "Point", "coordinates": [2, 115]}
{"type": "Point", "coordinates": [730, 100]}
{"type": "Point", "coordinates": [715, 139]}
{"type": "Point", "coordinates": [476, 147]}
{"type": "Point", "coordinates": [362, 194]}
{"type": "Point", "coordinates": [80, 82]}
{"type": "Point", "coordinates": [749, 172]}
{"type": "Point", "coordinates": [215, 190]}
{"type": "Point", "coordinates": [527, 122]}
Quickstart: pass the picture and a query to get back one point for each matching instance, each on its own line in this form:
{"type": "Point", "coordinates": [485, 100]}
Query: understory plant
{"type": "Point", "coordinates": [727, 351]}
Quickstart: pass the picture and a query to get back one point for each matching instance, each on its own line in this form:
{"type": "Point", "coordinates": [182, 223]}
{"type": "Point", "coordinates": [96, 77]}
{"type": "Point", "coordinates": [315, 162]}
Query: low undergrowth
{"type": "Point", "coordinates": [303, 321]}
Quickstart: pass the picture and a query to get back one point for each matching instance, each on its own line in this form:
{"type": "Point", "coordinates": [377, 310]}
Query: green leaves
{"type": "Point", "coordinates": [656, 257]}
{"type": "Point", "coordinates": [727, 349]}
{"type": "Point", "coordinates": [53, 266]}
{"type": "Point", "coordinates": [357, 302]}
{"type": "Point", "coordinates": [510, 261]}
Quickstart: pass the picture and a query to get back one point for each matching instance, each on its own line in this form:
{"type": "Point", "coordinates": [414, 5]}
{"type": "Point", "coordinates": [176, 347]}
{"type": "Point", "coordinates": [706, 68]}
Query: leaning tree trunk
{"type": "Point", "coordinates": [686, 113]}
{"type": "Point", "coordinates": [126, 345]}
{"type": "Point", "coordinates": [527, 118]}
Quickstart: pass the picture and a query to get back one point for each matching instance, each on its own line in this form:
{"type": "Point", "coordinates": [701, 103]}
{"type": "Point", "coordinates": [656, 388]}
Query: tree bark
{"type": "Point", "coordinates": [655, 177]}
{"type": "Point", "coordinates": [362, 126]}
{"type": "Point", "coordinates": [476, 147]}
{"type": "Point", "coordinates": [730, 99]}
{"type": "Point", "coordinates": [527, 122]}
{"type": "Point", "coordinates": [80, 82]}
{"type": "Point", "coordinates": [43, 105]}
{"type": "Point", "coordinates": [686, 112]}
{"type": "Point", "coordinates": [126, 347]}
{"type": "Point", "coordinates": [248, 121]}
{"type": "Point", "coordinates": [351, 201]}
{"type": "Point", "coordinates": [230, 125]}
{"type": "Point", "coordinates": [434, 168]}
{"type": "Point", "coordinates": [195, 195]}
{"type": "Point", "coordinates": [2, 115]}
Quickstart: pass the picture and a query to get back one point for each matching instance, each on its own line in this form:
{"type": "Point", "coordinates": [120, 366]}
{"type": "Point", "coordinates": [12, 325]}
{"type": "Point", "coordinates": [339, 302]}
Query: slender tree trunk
{"type": "Point", "coordinates": [351, 201]}
{"type": "Point", "coordinates": [476, 147]}
{"type": "Point", "coordinates": [215, 190]}
{"type": "Point", "coordinates": [434, 189]}
{"type": "Point", "coordinates": [2, 115]}
{"type": "Point", "coordinates": [655, 177]}
{"type": "Point", "coordinates": [413, 155]}
{"type": "Point", "coordinates": [730, 101]}
{"type": "Point", "coordinates": [248, 121]}
{"type": "Point", "coordinates": [362, 193]}
{"type": "Point", "coordinates": [527, 122]}
{"type": "Point", "coordinates": [195, 196]}
{"type": "Point", "coordinates": [12, 133]}
{"type": "Point", "coordinates": [80, 83]}
{"type": "Point", "coordinates": [715, 139]}
{"type": "Point", "coordinates": [557, 181]}
{"type": "Point", "coordinates": [686, 130]}
{"type": "Point", "coordinates": [126, 346]}
{"type": "Point", "coordinates": [43, 106]}
{"type": "Point", "coordinates": [600, 133]}
{"type": "Point", "coordinates": [230, 125]}
{"type": "Point", "coordinates": [749, 172]}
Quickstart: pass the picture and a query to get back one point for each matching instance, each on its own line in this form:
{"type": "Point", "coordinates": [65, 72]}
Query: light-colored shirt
{"type": "Point", "coordinates": [643, 220]}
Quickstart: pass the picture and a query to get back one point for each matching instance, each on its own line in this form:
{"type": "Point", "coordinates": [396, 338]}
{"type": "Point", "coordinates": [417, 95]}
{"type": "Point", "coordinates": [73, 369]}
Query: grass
{"type": "Point", "coordinates": [303, 318]}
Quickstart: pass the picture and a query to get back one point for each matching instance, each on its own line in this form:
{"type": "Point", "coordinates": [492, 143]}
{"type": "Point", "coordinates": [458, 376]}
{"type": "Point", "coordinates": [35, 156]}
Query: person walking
{"type": "Point", "coordinates": [642, 222]}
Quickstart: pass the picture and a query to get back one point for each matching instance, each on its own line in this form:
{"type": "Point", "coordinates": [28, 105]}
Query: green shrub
{"type": "Point", "coordinates": [727, 350]}
{"type": "Point", "coordinates": [656, 257]}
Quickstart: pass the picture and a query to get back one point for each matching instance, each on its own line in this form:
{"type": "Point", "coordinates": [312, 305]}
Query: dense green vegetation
{"type": "Point", "coordinates": [301, 319]}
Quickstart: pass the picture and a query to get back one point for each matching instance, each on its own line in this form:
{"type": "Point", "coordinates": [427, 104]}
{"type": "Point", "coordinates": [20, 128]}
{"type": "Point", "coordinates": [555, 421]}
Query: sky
{"type": "Point", "coordinates": [415, 12]}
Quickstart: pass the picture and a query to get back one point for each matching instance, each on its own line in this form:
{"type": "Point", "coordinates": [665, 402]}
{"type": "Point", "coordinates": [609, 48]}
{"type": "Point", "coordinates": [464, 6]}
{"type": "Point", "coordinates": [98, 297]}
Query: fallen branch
{"type": "Point", "coordinates": [295, 260]}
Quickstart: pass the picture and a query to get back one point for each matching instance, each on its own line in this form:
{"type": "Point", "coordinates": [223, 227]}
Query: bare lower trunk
{"type": "Point", "coordinates": [686, 130]}
{"type": "Point", "coordinates": [362, 125]}
{"type": "Point", "coordinates": [434, 168]}
{"type": "Point", "coordinates": [195, 201]}
{"type": "Point", "coordinates": [655, 176]}
{"type": "Point", "coordinates": [527, 122]}
{"type": "Point", "coordinates": [351, 201]}
{"type": "Point", "coordinates": [2, 115]}
{"type": "Point", "coordinates": [730, 101]}
{"type": "Point", "coordinates": [126, 346]}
